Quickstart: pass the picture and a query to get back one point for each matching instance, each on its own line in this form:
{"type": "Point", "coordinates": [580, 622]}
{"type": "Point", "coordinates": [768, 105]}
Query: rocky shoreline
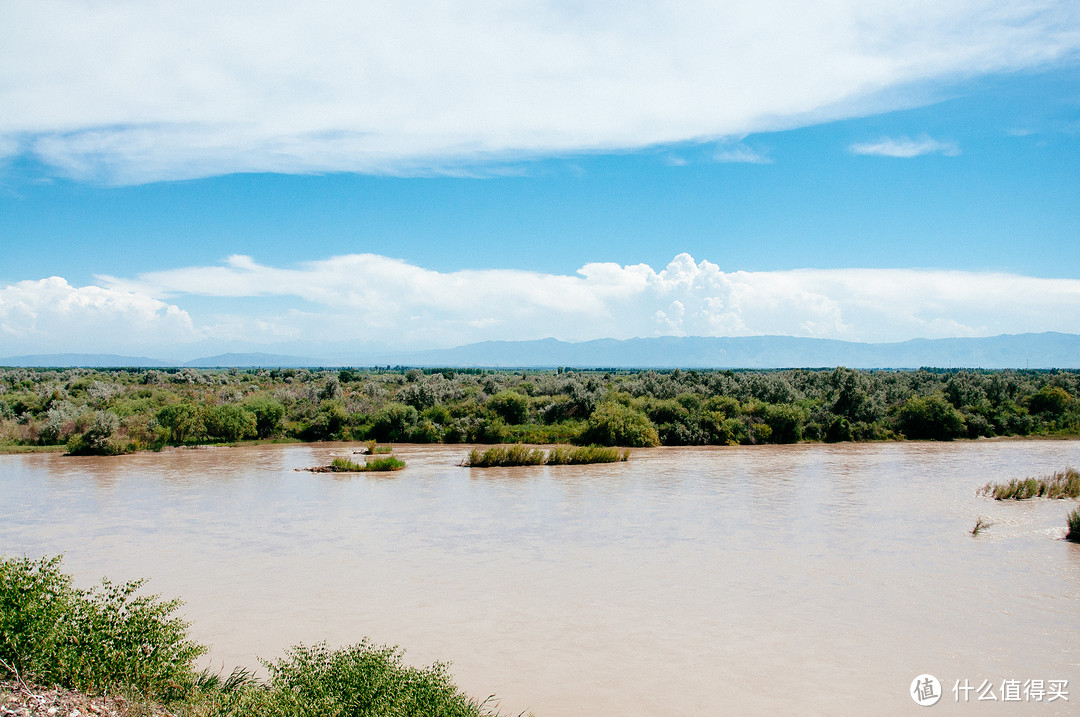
{"type": "Point", "coordinates": [19, 700]}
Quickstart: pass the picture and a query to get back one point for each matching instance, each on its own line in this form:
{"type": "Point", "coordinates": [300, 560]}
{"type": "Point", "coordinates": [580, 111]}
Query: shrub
{"type": "Point", "coordinates": [511, 406]}
{"type": "Point", "coordinates": [1051, 401]}
{"type": "Point", "coordinates": [613, 424]}
{"type": "Point", "coordinates": [839, 430]}
{"type": "Point", "coordinates": [785, 421]}
{"type": "Point", "coordinates": [393, 422]}
{"type": "Point", "coordinates": [930, 417]}
{"type": "Point", "coordinates": [182, 422]}
{"type": "Point", "coordinates": [229, 422]}
{"type": "Point", "coordinates": [98, 438]}
{"type": "Point", "coordinates": [1074, 525]}
{"type": "Point", "coordinates": [108, 638]}
{"type": "Point", "coordinates": [328, 422]}
{"type": "Point", "coordinates": [362, 680]}
{"type": "Point", "coordinates": [269, 416]}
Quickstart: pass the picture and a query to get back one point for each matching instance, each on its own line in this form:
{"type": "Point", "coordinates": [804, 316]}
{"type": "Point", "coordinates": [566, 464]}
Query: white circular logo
{"type": "Point", "coordinates": [925, 690]}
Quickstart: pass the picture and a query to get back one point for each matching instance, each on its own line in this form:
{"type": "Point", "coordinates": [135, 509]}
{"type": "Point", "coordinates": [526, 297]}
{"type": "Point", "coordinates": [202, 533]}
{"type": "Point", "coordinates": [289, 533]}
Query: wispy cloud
{"type": "Point", "coordinates": [367, 297]}
{"type": "Point", "coordinates": [740, 153]}
{"type": "Point", "coordinates": [905, 147]}
{"type": "Point", "coordinates": [136, 92]}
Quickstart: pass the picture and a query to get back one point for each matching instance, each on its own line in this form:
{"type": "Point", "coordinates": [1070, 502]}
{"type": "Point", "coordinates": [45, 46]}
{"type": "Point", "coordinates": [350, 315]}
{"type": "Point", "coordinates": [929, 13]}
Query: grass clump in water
{"type": "Point", "coordinates": [1061, 484]}
{"type": "Point", "coordinates": [1074, 526]}
{"type": "Point", "coordinates": [981, 524]}
{"type": "Point", "coordinates": [518, 455]}
{"type": "Point", "coordinates": [580, 455]}
{"type": "Point", "coordinates": [345, 465]}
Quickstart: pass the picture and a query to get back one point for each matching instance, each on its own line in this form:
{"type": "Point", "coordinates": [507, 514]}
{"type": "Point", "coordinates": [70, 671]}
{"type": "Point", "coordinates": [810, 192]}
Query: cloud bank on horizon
{"type": "Point", "coordinates": [126, 93]}
{"type": "Point", "coordinates": [369, 300]}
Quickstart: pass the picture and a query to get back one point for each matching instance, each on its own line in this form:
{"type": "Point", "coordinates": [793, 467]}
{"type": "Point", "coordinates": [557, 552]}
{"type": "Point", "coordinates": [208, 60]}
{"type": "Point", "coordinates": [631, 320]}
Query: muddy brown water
{"type": "Point", "coordinates": [806, 579]}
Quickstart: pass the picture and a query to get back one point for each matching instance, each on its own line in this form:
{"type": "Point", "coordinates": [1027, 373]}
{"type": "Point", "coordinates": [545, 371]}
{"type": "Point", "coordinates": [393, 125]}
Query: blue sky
{"type": "Point", "coordinates": [317, 180]}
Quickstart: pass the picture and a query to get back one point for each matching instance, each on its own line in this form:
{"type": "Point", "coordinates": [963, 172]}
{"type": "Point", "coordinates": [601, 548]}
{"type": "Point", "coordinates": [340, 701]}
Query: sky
{"type": "Point", "coordinates": [184, 179]}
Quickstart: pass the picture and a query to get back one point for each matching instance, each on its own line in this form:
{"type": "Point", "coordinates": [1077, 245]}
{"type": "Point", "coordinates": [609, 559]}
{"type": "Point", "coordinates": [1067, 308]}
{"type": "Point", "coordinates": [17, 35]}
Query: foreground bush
{"type": "Point", "coordinates": [1062, 484]}
{"type": "Point", "coordinates": [364, 680]}
{"type": "Point", "coordinates": [115, 641]}
{"type": "Point", "coordinates": [104, 639]}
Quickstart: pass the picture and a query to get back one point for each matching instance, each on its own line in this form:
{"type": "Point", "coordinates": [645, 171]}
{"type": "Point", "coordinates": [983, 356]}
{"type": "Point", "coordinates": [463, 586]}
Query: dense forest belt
{"type": "Point", "coordinates": [95, 412]}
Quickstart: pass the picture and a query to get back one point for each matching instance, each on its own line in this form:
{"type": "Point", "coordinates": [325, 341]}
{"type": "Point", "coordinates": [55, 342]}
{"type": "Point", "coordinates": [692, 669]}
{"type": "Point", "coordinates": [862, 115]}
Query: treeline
{"type": "Point", "coordinates": [114, 411]}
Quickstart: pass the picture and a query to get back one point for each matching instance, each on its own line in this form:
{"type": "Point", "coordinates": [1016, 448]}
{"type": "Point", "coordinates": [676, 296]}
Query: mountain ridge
{"type": "Point", "coordinates": [1034, 350]}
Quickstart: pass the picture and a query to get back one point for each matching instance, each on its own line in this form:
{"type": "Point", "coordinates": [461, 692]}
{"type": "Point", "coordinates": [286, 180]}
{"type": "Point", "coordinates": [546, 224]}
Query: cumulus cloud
{"type": "Point", "coordinates": [366, 297]}
{"type": "Point", "coordinates": [905, 147]}
{"type": "Point", "coordinates": [135, 92]}
{"type": "Point", "coordinates": [50, 315]}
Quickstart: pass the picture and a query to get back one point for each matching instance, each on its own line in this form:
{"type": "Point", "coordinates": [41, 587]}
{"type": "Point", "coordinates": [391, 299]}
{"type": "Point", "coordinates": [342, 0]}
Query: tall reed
{"type": "Point", "coordinates": [1061, 484]}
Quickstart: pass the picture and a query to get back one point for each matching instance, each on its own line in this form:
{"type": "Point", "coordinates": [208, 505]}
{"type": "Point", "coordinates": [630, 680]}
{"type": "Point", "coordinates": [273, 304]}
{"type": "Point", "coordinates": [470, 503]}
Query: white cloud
{"type": "Point", "coordinates": [739, 152]}
{"type": "Point", "coordinates": [50, 315]}
{"type": "Point", "coordinates": [134, 92]}
{"type": "Point", "coordinates": [905, 147]}
{"type": "Point", "coordinates": [364, 297]}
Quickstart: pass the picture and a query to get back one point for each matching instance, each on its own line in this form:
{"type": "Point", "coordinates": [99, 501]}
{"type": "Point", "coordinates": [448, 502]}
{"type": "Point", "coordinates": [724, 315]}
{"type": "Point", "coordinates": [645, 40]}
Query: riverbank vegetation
{"type": "Point", "coordinates": [519, 455]}
{"type": "Point", "coordinates": [1060, 484]}
{"type": "Point", "coordinates": [115, 640]}
{"type": "Point", "coordinates": [103, 412]}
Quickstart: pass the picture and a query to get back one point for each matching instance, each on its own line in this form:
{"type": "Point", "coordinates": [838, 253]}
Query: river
{"type": "Point", "coordinates": [806, 579]}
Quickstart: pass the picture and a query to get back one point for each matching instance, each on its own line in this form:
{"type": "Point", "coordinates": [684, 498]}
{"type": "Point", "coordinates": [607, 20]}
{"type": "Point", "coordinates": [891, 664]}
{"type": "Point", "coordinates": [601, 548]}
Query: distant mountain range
{"type": "Point", "coordinates": [1045, 350]}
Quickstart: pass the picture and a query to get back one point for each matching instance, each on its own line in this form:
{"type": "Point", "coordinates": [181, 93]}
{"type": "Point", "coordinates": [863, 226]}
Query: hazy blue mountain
{"type": "Point", "coordinates": [92, 360]}
{"type": "Point", "coordinates": [253, 360]}
{"type": "Point", "coordinates": [1045, 350]}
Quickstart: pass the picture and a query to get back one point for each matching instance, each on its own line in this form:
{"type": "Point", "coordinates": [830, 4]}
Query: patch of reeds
{"type": "Point", "coordinates": [981, 524]}
{"type": "Point", "coordinates": [516, 455]}
{"type": "Point", "coordinates": [580, 455]}
{"type": "Point", "coordinates": [1074, 526]}
{"type": "Point", "coordinates": [372, 447]}
{"type": "Point", "coordinates": [388, 463]}
{"type": "Point", "coordinates": [519, 455]}
{"type": "Point", "coordinates": [1061, 484]}
{"type": "Point", "coordinates": [344, 465]}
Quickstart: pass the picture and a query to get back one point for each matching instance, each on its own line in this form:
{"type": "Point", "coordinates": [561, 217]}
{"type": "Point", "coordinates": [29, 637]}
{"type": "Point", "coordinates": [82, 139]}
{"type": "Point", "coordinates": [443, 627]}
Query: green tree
{"type": "Point", "coordinates": [613, 424]}
{"type": "Point", "coordinates": [512, 406]}
{"type": "Point", "coordinates": [393, 422]}
{"type": "Point", "coordinates": [229, 422]}
{"type": "Point", "coordinates": [269, 416]}
{"type": "Point", "coordinates": [183, 422]}
{"type": "Point", "coordinates": [930, 417]}
{"type": "Point", "coordinates": [1051, 401]}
